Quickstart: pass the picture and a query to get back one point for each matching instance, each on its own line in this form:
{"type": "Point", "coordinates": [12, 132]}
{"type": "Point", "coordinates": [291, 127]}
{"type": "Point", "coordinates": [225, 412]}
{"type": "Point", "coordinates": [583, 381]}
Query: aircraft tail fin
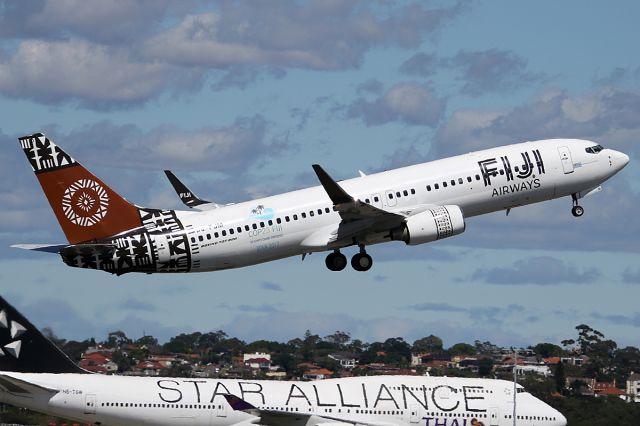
{"type": "Point", "coordinates": [85, 207]}
{"type": "Point", "coordinates": [23, 348]}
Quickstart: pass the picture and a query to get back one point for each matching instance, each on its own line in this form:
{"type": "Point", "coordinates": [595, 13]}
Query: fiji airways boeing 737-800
{"type": "Point", "coordinates": [416, 204]}
{"type": "Point", "coordinates": [35, 374]}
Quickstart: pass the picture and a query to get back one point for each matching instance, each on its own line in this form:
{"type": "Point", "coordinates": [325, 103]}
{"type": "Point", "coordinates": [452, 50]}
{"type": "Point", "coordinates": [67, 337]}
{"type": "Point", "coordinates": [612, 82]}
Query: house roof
{"type": "Point", "coordinates": [257, 361]}
{"type": "Point", "coordinates": [612, 392]}
{"type": "Point", "coordinates": [318, 372]}
{"type": "Point", "coordinates": [552, 360]}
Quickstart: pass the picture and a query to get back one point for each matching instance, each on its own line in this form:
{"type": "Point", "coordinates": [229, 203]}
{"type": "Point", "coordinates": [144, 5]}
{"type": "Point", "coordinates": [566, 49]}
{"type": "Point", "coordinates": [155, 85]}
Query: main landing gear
{"type": "Point", "coordinates": [361, 261]}
{"type": "Point", "coordinates": [576, 210]}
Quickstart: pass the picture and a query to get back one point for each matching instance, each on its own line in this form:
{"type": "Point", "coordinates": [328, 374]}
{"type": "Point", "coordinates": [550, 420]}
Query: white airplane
{"type": "Point", "coordinates": [35, 374]}
{"type": "Point", "coordinates": [416, 204]}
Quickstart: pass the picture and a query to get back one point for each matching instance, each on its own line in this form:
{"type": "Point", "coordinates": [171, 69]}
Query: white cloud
{"type": "Point", "coordinates": [96, 75]}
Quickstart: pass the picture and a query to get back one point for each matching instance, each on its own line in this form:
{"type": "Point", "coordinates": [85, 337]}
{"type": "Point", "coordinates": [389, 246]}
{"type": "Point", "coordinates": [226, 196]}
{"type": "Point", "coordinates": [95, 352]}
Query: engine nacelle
{"type": "Point", "coordinates": [434, 224]}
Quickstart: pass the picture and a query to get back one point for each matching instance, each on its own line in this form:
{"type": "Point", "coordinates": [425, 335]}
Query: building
{"type": "Point", "coordinates": [256, 355]}
{"type": "Point", "coordinates": [319, 374]}
{"type": "Point", "coordinates": [345, 361]}
{"type": "Point", "coordinates": [633, 387]}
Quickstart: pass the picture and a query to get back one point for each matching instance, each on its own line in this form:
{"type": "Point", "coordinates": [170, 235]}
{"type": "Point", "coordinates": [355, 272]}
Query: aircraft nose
{"type": "Point", "coordinates": [621, 159]}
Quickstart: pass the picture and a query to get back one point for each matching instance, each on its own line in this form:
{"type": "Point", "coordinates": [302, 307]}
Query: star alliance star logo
{"type": "Point", "coordinates": [16, 329]}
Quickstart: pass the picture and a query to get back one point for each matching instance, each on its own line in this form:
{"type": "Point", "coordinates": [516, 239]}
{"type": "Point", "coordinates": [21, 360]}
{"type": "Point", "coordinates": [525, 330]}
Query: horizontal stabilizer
{"type": "Point", "coordinates": [49, 248]}
{"type": "Point", "coordinates": [19, 386]}
{"type": "Point", "coordinates": [76, 255]}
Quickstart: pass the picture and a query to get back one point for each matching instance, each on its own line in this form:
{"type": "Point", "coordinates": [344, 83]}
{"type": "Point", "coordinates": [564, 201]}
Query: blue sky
{"type": "Point", "coordinates": [240, 98]}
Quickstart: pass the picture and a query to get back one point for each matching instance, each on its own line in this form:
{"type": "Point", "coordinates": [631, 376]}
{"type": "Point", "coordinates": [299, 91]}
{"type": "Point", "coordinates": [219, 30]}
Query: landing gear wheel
{"type": "Point", "coordinates": [577, 211]}
{"type": "Point", "coordinates": [361, 262]}
{"type": "Point", "coordinates": [336, 261]}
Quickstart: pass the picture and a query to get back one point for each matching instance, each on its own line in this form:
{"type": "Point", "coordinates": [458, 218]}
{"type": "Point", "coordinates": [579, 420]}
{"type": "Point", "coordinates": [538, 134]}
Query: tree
{"type": "Point", "coordinates": [485, 347]}
{"type": "Point", "coordinates": [339, 339]}
{"type": "Point", "coordinates": [559, 377]}
{"type": "Point", "coordinates": [429, 344]}
{"type": "Point", "coordinates": [462, 349]}
{"type": "Point", "coordinates": [546, 350]}
{"type": "Point", "coordinates": [115, 339]}
{"type": "Point", "coordinates": [485, 366]}
{"type": "Point", "coordinates": [147, 340]}
{"type": "Point", "coordinates": [587, 338]}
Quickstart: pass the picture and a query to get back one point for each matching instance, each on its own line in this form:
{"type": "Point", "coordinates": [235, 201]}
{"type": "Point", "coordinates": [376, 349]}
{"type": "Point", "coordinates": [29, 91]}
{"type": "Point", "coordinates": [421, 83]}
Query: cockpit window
{"type": "Point", "coordinates": [520, 390]}
{"type": "Point", "coordinates": [594, 149]}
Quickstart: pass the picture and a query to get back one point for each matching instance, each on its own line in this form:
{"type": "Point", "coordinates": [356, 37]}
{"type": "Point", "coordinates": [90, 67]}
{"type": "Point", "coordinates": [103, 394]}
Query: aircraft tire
{"type": "Point", "coordinates": [336, 261]}
{"type": "Point", "coordinates": [577, 211]}
{"type": "Point", "coordinates": [361, 262]}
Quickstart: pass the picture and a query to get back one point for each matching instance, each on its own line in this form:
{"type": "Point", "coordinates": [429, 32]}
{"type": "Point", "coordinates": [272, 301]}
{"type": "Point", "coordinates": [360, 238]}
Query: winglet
{"type": "Point", "coordinates": [237, 403]}
{"type": "Point", "coordinates": [185, 194]}
{"type": "Point", "coordinates": [335, 191]}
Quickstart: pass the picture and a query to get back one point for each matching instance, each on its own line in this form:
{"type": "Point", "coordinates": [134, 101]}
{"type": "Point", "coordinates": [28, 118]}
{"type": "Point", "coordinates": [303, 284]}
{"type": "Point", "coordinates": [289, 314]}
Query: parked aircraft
{"type": "Point", "coordinates": [416, 204]}
{"type": "Point", "coordinates": [35, 374]}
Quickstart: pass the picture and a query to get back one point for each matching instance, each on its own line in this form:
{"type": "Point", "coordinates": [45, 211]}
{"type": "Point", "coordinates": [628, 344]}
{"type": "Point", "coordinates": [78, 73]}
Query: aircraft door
{"type": "Point", "coordinates": [414, 417]}
{"type": "Point", "coordinates": [89, 404]}
{"type": "Point", "coordinates": [494, 416]}
{"type": "Point", "coordinates": [391, 198]}
{"type": "Point", "coordinates": [221, 409]}
{"type": "Point", "coordinates": [565, 158]}
{"type": "Point", "coordinates": [162, 247]}
{"type": "Point", "coordinates": [376, 200]}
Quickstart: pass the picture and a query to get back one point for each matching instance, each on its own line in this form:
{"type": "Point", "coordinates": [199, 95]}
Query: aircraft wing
{"type": "Point", "coordinates": [358, 217]}
{"type": "Point", "coordinates": [23, 388]}
{"type": "Point", "coordinates": [187, 196]}
{"type": "Point", "coordinates": [273, 417]}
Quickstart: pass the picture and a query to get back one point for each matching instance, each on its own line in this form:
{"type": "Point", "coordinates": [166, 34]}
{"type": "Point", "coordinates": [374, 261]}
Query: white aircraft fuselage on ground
{"type": "Point", "coordinates": [371, 400]}
{"type": "Point", "coordinates": [415, 204]}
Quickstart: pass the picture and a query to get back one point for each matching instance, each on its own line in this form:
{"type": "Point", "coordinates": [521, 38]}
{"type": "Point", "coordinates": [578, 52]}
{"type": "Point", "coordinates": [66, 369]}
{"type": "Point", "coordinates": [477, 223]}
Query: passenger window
{"type": "Point", "coordinates": [376, 199]}
{"type": "Point", "coordinates": [239, 229]}
{"type": "Point", "coordinates": [215, 234]}
{"type": "Point", "coordinates": [460, 181]}
{"type": "Point", "coordinates": [278, 220]}
{"type": "Point", "coordinates": [405, 192]}
{"type": "Point", "coordinates": [224, 233]}
{"type": "Point", "coordinates": [390, 195]}
{"type": "Point", "coordinates": [319, 211]}
{"type": "Point", "coordinates": [478, 176]}
{"type": "Point", "coordinates": [453, 182]}
{"type": "Point", "coordinates": [501, 172]}
{"type": "Point", "coordinates": [208, 236]}
{"type": "Point", "coordinates": [270, 222]}
{"type": "Point", "coordinates": [311, 213]}
{"type": "Point", "coordinates": [326, 210]}
{"type": "Point", "coordinates": [413, 191]}
{"type": "Point", "coordinates": [200, 238]}
{"type": "Point", "coordinates": [469, 179]}
{"type": "Point", "coordinates": [255, 226]}
{"type": "Point", "coordinates": [398, 194]}
{"type": "Point", "coordinates": [444, 184]}
{"type": "Point", "coordinates": [304, 215]}
{"type": "Point", "coordinates": [295, 217]}
{"type": "Point", "coordinates": [436, 186]}
{"type": "Point", "coordinates": [246, 227]}
{"type": "Point", "coordinates": [366, 200]}
{"type": "Point", "coordinates": [231, 231]}
{"type": "Point", "coordinates": [261, 224]}
{"type": "Point", "coordinates": [286, 218]}
{"type": "Point", "coordinates": [193, 239]}
{"type": "Point", "coordinates": [428, 187]}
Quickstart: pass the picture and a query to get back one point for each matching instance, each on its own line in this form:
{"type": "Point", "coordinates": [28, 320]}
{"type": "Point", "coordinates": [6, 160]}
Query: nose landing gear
{"type": "Point", "coordinates": [576, 210]}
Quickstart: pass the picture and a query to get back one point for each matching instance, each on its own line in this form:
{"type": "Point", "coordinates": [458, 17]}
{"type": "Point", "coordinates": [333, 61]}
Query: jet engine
{"type": "Point", "coordinates": [433, 224]}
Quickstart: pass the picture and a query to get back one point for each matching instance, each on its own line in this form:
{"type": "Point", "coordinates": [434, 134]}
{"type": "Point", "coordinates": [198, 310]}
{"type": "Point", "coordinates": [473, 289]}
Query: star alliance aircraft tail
{"type": "Point", "coordinates": [23, 348]}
